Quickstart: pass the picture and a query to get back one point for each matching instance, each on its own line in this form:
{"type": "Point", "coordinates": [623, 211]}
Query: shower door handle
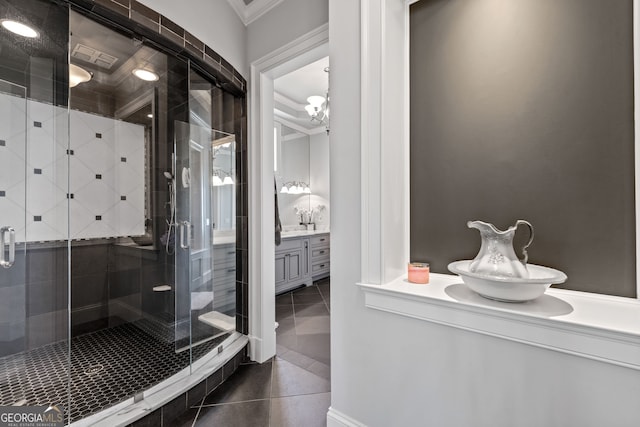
{"type": "Point", "coordinates": [12, 246]}
{"type": "Point", "coordinates": [183, 225]}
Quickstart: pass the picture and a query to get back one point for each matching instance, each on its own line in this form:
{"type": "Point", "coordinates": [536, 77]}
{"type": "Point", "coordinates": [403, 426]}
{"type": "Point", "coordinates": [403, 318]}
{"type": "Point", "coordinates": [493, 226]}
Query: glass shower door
{"type": "Point", "coordinates": [13, 200]}
{"type": "Point", "coordinates": [199, 319]}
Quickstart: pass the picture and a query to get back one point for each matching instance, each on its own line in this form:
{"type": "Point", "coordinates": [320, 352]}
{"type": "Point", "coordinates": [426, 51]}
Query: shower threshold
{"type": "Point", "coordinates": [107, 367]}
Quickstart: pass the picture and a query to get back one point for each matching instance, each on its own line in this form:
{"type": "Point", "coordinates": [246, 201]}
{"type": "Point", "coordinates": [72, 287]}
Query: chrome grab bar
{"type": "Point", "coordinates": [12, 246]}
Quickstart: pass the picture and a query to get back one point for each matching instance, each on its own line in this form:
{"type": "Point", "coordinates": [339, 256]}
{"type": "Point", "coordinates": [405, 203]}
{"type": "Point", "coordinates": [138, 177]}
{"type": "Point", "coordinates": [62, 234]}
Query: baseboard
{"type": "Point", "coordinates": [336, 418]}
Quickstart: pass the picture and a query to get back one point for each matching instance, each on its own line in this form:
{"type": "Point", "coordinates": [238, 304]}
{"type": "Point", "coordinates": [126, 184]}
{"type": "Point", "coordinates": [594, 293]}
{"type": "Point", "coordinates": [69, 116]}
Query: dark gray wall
{"type": "Point", "coordinates": [524, 109]}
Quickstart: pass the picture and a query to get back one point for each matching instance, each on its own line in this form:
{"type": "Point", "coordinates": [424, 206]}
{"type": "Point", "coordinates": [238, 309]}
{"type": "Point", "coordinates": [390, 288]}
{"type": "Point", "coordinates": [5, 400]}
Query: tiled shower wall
{"type": "Point", "coordinates": [106, 164]}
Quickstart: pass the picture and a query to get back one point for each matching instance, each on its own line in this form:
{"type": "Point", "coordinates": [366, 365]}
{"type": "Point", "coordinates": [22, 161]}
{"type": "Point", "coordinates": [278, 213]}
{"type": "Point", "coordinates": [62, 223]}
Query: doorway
{"type": "Point", "coordinates": [303, 51]}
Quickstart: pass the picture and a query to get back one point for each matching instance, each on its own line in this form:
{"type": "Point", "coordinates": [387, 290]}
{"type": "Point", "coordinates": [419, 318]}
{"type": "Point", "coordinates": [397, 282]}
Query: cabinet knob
{"type": "Point", "coordinates": [321, 265]}
{"type": "Point", "coordinates": [321, 252]}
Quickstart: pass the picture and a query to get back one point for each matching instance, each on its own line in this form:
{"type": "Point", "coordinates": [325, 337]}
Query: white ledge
{"type": "Point", "coordinates": [594, 326]}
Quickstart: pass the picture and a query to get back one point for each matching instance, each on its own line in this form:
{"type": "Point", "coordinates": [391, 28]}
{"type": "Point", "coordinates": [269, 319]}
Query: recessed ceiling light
{"type": "Point", "coordinates": [19, 28]}
{"type": "Point", "coordinates": [78, 75]}
{"type": "Point", "coordinates": [145, 75]}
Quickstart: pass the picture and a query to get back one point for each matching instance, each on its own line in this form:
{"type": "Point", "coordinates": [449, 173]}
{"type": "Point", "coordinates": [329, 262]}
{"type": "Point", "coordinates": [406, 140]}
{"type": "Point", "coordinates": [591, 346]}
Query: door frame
{"type": "Point", "coordinates": [302, 51]}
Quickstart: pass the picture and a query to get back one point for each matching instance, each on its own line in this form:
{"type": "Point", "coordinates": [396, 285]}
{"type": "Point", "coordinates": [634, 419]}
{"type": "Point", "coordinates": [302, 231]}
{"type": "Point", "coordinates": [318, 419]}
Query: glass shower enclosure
{"type": "Point", "coordinates": [117, 212]}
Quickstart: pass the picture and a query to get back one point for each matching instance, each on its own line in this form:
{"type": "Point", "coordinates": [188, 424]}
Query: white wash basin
{"type": "Point", "coordinates": [509, 289]}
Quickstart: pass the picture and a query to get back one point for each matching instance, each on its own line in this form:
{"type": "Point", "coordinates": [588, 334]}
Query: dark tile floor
{"type": "Point", "coordinates": [293, 388]}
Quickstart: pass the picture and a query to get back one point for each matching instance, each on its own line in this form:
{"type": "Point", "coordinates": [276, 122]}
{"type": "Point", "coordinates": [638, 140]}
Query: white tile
{"type": "Point", "coordinates": [79, 174]}
{"type": "Point", "coordinates": [12, 169]}
{"type": "Point", "coordinates": [96, 197]}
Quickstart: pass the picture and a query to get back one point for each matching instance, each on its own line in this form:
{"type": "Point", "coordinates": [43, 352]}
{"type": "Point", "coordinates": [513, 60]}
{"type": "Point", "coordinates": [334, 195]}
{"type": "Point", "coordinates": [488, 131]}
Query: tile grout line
{"type": "Point", "coordinates": [324, 300]}
{"type": "Point", "coordinates": [195, 419]}
{"type": "Point", "coordinates": [273, 363]}
{"type": "Point", "coordinates": [211, 405]}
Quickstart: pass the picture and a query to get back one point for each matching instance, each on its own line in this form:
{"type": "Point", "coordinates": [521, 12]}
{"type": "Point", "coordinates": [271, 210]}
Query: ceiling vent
{"type": "Point", "coordinates": [93, 56]}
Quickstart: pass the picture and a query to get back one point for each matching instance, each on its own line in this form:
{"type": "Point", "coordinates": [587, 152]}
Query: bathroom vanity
{"type": "Point", "coordinates": [224, 277]}
{"type": "Point", "coordinates": [301, 258]}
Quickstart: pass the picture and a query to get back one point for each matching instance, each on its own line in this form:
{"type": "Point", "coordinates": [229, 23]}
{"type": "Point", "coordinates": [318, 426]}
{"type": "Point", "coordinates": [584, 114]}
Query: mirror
{"type": "Point", "coordinates": [223, 148]}
{"type": "Point", "coordinates": [292, 176]}
{"type": "Point", "coordinates": [302, 164]}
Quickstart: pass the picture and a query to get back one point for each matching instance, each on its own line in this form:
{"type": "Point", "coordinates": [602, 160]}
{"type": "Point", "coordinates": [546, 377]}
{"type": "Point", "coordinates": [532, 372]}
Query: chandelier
{"type": "Point", "coordinates": [318, 107]}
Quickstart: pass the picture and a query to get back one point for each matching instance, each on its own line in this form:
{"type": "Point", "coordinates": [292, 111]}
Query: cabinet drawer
{"type": "Point", "coordinates": [289, 244]}
{"type": "Point", "coordinates": [319, 253]}
{"type": "Point", "coordinates": [320, 267]}
{"type": "Point", "coordinates": [224, 253]}
{"type": "Point", "coordinates": [320, 240]}
{"type": "Point", "coordinates": [223, 273]}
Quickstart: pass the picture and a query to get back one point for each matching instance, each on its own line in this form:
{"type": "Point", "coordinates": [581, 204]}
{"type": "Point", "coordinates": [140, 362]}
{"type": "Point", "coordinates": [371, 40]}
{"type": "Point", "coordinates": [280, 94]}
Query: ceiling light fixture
{"type": "Point", "coordinates": [19, 28]}
{"type": "Point", "coordinates": [150, 116]}
{"type": "Point", "coordinates": [78, 75]}
{"type": "Point", "coordinates": [146, 75]}
{"type": "Point", "coordinates": [318, 107]}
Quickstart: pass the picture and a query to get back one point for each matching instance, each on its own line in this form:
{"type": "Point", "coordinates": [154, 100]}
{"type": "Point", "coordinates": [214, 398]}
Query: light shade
{"type": "Point", "coordinates": [146, 75]}
{"type": "Point", "coordinates": [310, 109]}
{"type": "Point", "coordinates": [227, 180]}
{"type": "Point", "coordinates": [78, 75]}
{"type": "Point", "coordinates": [19, 28]}
{"type": "Point", "coordinates": [284, 190]}
{"type": "Point", "coordinates": [306, 190]}
{"type": "Point", "coordinates": [217, 181]}
{"type": "Point", "coordinates": [316, 101]}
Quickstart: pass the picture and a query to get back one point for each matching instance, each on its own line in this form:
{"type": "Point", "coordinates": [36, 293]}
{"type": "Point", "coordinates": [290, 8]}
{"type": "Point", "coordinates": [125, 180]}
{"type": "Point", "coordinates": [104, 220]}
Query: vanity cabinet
{"type": "Point", "coordinates": [320, 256]}
{"type": "Point", "coordinates": [224, 278]}
{"type": "Point", "coordinates": [292, 264]}
{"type": "Point", "coordinates": [300, 260]}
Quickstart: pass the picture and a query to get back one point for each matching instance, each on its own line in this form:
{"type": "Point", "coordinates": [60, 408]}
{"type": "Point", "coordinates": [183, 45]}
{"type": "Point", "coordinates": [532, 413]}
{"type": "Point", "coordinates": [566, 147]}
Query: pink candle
{"type": "Point", "coordinates": [418, 272]}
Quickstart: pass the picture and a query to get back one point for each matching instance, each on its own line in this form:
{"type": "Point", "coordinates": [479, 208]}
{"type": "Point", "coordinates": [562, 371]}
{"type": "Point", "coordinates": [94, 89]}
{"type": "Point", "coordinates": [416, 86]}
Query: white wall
{"type": "Point", "coordinates": [212, 21]}
{"type": "Point", "coordinates": [283, 24]}
{"type": "Point", "coordinates": [319, 177]}
{"type": "Point", "coordinates": [389, 370]}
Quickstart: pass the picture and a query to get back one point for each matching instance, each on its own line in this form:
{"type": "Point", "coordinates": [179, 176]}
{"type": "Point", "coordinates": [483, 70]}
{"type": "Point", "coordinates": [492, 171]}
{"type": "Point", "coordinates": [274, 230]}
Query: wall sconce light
{"type": "Point", "coordinates": [78, 75]}
{"type": "Point", "coordinates": [295, 187]}
{"type": "Point", "coordinates": [217, 181]}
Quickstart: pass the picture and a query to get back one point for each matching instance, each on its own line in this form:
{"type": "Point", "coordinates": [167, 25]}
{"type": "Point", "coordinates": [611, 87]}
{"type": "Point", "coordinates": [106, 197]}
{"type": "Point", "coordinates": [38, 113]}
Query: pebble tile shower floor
{"type": "Point", "coordinates": [107, 367]}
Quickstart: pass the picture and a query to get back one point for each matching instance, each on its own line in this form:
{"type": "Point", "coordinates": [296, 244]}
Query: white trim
{"type": "Point", "coordinates": [576, 323]}
{"type": "Point", "coordinates": [288, 123]}
{"type": "Point", "coordinates": [292, 136]}
{"type": "Point", "coordinates": [336, 418]}
{"type": "Point", "coordinates": [302, 51]}
{"type": "Point", "coordinates": [285, 100]}
{"type": "Point", "coordinates": [636, 90]}
{"type": "Point", "coordinates": [385, 140]}
{"type": "Point", "coordinates": [254, 10]}
{"type": "Point", "coordinates": [371, 118]}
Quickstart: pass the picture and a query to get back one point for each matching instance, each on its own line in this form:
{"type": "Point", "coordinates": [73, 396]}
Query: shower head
{"type": "Point", "coordinates": [168, 175]}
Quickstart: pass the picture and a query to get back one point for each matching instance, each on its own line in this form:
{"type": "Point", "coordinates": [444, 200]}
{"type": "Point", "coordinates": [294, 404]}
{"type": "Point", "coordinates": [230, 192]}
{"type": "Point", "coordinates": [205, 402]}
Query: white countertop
{"type": "Point", "coordinates": [223, 240]}
{"type": "Point", "coordinates": [302, 233]}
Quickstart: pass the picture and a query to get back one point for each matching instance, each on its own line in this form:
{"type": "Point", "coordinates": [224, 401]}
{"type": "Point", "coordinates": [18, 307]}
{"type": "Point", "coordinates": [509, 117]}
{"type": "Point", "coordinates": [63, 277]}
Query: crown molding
{"type": "Point", "coordinates": [254, 10]}
{"type": "Point", "coordinates": [285, 100]}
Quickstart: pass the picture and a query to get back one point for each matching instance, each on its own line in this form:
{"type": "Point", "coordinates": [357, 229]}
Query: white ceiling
{"type": "Point", "coordinates": [292, 91]}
